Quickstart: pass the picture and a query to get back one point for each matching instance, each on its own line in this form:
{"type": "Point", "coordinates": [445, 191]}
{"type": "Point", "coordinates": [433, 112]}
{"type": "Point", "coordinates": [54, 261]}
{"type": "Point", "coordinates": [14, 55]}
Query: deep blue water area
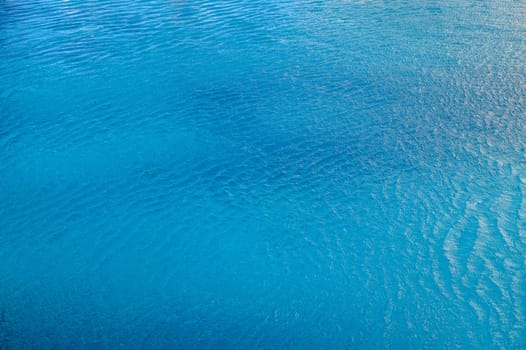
{"type": "Point", "coordinates": [262, 174]}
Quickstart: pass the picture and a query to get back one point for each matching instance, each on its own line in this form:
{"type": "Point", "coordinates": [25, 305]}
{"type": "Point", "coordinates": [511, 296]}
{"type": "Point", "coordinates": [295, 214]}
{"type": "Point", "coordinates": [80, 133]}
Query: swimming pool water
{"type": "Point", "coordinates": [262, 174]}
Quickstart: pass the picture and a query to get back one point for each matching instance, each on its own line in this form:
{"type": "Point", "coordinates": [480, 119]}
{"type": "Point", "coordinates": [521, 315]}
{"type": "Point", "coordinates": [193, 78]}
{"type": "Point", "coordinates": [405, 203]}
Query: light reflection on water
{"type": "Point", "coordinates": [272, 174]}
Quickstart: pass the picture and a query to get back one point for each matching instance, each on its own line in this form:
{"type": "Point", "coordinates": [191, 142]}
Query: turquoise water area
{"type": "Point", "coordinates": [262, 174]}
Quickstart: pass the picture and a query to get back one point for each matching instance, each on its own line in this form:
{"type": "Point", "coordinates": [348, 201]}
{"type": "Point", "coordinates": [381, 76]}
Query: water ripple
{"type": "Point", "coordinates": [272, 174]}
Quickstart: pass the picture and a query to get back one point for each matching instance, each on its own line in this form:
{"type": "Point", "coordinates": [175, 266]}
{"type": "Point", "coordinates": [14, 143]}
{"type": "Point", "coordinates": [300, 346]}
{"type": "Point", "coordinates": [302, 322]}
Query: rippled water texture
{"type": "Point", "coordinates": [262, 173]}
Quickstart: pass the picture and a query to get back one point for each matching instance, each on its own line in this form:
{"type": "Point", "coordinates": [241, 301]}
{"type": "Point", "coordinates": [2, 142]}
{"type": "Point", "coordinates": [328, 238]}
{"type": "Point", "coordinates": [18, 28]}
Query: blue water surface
{"type": "Point", "coordinates": [262, 174]}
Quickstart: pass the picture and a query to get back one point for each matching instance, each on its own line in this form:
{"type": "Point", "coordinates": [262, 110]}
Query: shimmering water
{"type": "Point", "coordinates": [262, 173]}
